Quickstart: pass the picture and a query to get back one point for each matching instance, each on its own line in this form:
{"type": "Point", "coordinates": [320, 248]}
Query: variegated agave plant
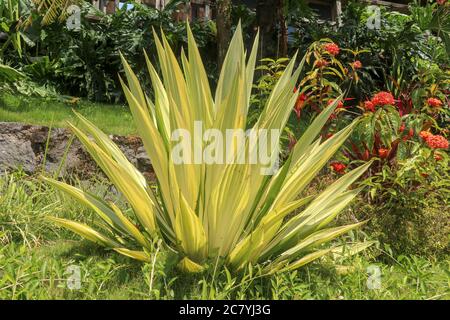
{"type": "Point", "coordinates": [206, 212]}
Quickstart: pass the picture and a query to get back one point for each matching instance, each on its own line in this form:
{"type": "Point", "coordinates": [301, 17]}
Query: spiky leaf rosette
{"type": "Point", "coordinates": [225, 210]}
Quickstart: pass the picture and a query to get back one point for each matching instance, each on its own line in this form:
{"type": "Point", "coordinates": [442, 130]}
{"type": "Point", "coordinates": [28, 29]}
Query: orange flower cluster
{"type": "Point", "coordinates": [332, 48]}
{"type": "Point", "coordinates": [380, 99]}
{"type": "Point", "coordinates": [434, 102]}
{"type": "Point", "coordinates": [434, 141]}
{"type": "Point", "coordinates": [383, 98]}
{"type": "Point", "coordinates": [437, 142]}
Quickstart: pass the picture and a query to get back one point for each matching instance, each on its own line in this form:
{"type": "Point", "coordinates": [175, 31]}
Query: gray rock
{"type": "Point", "coordinates": [16, 153]}
{"type": "Point", "coordinates": [32, 149]}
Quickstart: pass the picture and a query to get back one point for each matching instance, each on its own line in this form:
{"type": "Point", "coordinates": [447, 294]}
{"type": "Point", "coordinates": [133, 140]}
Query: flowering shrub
{"type": "Point", "coordinates": [387, 128]}
{"type": "Point", "coordinates": [389, 123]}
{"type": "Point", "coordinates": [399, 89]}
{"type": "Point", "coordinates": [332, 71]}
{"type": "Point", "coordinates": [409, 185]}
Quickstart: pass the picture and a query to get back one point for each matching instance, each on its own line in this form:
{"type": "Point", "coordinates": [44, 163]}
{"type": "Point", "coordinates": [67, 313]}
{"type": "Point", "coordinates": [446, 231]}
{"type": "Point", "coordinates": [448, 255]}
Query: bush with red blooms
{"type": "Point", "coordinates": [403, 120]}
{"type": "Point", "coordinates": [385, 131]}
{"type": "Point", "coordinates": [409, 137]}
{"type": "Point", "coordinates": [326, 78]}
{"type": "Point", "coordinates": [387, 127]}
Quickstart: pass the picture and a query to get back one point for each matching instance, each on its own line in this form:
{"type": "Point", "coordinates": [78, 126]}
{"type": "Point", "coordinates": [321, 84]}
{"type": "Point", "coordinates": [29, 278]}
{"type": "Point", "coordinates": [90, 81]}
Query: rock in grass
{"type": "Point", "coordinates": [29, 147]}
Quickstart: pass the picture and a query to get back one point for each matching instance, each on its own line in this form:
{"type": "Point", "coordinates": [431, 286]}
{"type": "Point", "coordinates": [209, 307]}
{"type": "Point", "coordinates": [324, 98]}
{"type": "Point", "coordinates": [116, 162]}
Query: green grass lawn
{"type": "Point", "coordinates": [114, 119]}
{"type": "Point", "coordinates": [37, 261]}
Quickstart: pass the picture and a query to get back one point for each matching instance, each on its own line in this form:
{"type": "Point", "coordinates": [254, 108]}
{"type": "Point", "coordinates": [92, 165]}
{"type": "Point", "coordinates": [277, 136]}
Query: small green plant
{"type": "Point", "coordinates": [271, 70]}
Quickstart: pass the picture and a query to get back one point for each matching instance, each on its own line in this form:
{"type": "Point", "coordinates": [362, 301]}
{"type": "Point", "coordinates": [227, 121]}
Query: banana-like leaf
{"type": "Point", "coordinates": [10, 74]}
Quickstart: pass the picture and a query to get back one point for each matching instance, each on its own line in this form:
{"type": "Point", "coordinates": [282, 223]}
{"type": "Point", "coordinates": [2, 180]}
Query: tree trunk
{"type": "Point", "coordinates": [272, 28]}
{"type": "Point", "coordinates": [223, 22]}
{"type": "Point", "coordinates": [282, 43]}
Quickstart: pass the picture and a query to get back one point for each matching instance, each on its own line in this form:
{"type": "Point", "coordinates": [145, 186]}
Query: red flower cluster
{"type": "Point", "coordinates": [434, 141]}
{"type": "Point", "coordinates": [332, 48]}
{"type": "Point", "coordinates": [383, 98]}
{"type": "Point", "coordinates": [380, 99]}
{"type": "Point", "coordinates": [357, 64]}
{"type": "Point", "coordinates": [338, 167]}
{"type": "Point", "coordinates": [434, 102]}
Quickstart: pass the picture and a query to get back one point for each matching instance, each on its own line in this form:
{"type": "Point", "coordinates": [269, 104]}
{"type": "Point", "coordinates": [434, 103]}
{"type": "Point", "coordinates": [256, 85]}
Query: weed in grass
{"type": "Point", "coordinates": [23, 206]}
